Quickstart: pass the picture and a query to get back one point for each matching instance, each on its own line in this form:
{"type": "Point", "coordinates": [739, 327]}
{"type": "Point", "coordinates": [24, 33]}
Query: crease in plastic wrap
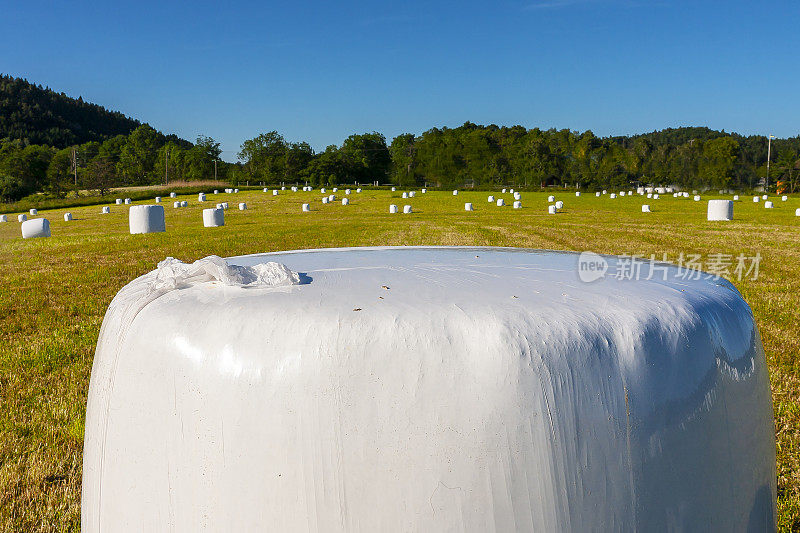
{"type": "Point", "coordinates": [426, 389]}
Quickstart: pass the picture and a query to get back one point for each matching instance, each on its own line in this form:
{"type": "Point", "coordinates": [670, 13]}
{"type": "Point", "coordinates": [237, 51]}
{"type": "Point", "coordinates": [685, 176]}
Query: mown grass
{"type": "Point", "coordinates": [54, 292]}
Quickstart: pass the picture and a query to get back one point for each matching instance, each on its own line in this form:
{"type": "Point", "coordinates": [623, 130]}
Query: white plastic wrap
{"type": "Point", "coordinates": [517, 204]}
{"type": "Point", "coordinates": [242, 206]}
{"type": "Point", "coordinates": [646, 209]}
{"type": "Point", "coordinates": [35, 227]}
{"type": "Point", "coordinates": [720, 210]}
{"type": "Point", "coordinates": [306, 207]}
{"type": "Point", "coordinates": [105, 210]}
{"type": "Point", "coordinates": [468, 206]}
{"type": "Point", "coordinates": [146, 219]}
{"type": "Point", "coordinates": [118, 201]}
{"type": "Point", "coordinates": [500, 202]}
{"type": "Point", "coordinates": [68, 217]}
{"type": "Point", "coordinates": [407, 209]}
{"type": "Point", "coordinates": [345, 201]}
{"type": "Point", "coordinates": [768, 204]}
{"type": "Point", "coordinates": [430, 389]}
{"type": "Point", "coordinates": [22, 218]}
{"type": "Point", "coordinates": [3, 218]}
{"type": "Point", "coordinates": [33, 212]}
{"type": "Point", "coordinates": [213, 217]}
{"type": "Point", "coordinates": [392, 208]}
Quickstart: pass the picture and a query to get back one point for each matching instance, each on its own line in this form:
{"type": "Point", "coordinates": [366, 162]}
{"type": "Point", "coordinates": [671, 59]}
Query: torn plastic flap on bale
{"type": "Point", "coordinates": [175, 274]}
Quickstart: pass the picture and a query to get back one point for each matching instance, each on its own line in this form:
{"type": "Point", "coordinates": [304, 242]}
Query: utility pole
{"type": "Point", "coordinates": [75, 166]}
{"type": "Point", "coordinates": [166, 167]}
{"type": "Point", "coordinates": [215, 170]}
{"type": "Point", "coordinates": [769, 154]}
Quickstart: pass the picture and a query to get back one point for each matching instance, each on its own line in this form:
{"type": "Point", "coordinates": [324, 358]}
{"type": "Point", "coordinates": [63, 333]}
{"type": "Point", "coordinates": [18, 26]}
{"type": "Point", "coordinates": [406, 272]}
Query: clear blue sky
{"type": "Point", "coordinates": [322, 71]}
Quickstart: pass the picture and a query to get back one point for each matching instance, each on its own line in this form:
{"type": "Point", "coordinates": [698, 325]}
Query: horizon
{"type": "Point", "coordinates": [321, 73]}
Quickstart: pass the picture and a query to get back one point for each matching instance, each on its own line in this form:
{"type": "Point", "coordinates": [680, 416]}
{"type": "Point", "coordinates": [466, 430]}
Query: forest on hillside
{"type": "Point", "coordinates": [54, 144]}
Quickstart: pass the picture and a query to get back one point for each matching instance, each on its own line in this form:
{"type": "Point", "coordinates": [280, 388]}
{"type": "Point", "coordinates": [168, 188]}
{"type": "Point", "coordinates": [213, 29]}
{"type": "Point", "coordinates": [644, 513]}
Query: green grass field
{"type": "Point", "coordinates": [54, 293]}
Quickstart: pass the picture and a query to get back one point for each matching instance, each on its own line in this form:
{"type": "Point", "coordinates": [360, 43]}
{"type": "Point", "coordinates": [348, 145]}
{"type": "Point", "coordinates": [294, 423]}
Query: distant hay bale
{"type": "Point", "coordinates": [105, 210]}
{"type": "Point", "coordinates": [720, 210]}
{"type": "Point", "coordinates": [67, 217]}
{"type": "Point", "coordinates": [646, 209]}
{"type": "Point", "coordinates": [35, 228]}
{"type": "Point", "coordinates": [392, 208]}
{"type": "Point", "coordinates": [146, 219]}
{"type": "Point", "coordinates": [213, 217]}
{"type": "Point", "coordinates": [467, 206]}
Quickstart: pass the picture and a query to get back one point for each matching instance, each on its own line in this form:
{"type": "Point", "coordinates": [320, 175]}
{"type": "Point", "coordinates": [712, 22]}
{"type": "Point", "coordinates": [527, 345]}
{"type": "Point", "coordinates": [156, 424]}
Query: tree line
{"type": "Point", "coordinates": [490, 156]}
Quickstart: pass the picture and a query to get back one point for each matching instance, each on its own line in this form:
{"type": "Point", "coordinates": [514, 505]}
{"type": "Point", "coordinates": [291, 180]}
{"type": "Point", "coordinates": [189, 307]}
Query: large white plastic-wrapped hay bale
{"type": "Point", "coordinates": [105, 210]}
{"type": "Point", "coordinates": [118, 201]}
{"type": "Point", "coordinates": [768, 204]}
{"type": "Point", "coordinates": [242, 206]}
{"type": "Point", "coordinates": [392, 208]}
{"type": "Point", "coordinates": [331, 197]}
{"type": "Point", "coordinates": [506, 395]}
{"type": "Point", "coordinates": [518, 196]}
{"type": "Point", "coordinates": [455, 193]}
{"type": "Point", "coordinates": [173, 195]}
{"type": "Point", "coordinates": [345, 201]}
{"type": "Point", "coordinates": [294, 189]}
{"type": "Point", "coordinates": [559, 205]}
{"type": "Point", "coordinates": [283, 188]}
{"type": "Point", "coordinates": [275, 192]}
{"type": "Point", "coordinates": [577, 193]}
{"type": "Point", "coordinates": [490, 199]}
{"type": "Point", "coordinates": [612, 195]}
{"type": "Point", "coordinates": [146, 219]}
{"type": "Point", "coordinates": [500, 202]}
{"type": "Point", "coordinates": [22, 218]}
{"type": "Point", "coordinates": [503, 191]}
{"type": "Point", "coordinates": [3, 218]}
{"type": "Point", "coordinates": [201, 197]}
{"type": "Point", "coordinates": [605, 191]}
{"type": "Point", "coordinates": [68, 217]}
{"type": "Point", "coordinates": [551, 209]}
{"type": "Point", "coordinates": [720, 210]}
{"type": "Point", "coordinates": [735, 197]}
{"type": "Point", "coordinates": [467, 206]}
{"type": "Point", "coordinates": [33, 212]}
{"type": "Point", "coordinates": [158, 199]}
{"type": "Point", "coordinates": [407, 209]}
{"type": "Point", "coordinates": [784, 198]}
{"type": "Point", "coordinates": [405, 195]}
{"type": "Point", "coordinates": [216, 191]}
{"type": "Point", "coordinates": [551, 198]}
{"type": "Point", "coordinates": [176, 205]}
{"type": "Point", "coordinates": [686, 195]}
{"type": "Point", "coordinates": [184, 203]}
{"type": "Point", "coordinates": [335, 189]}
{"type": "Point", "coordinates": [511, 191]}
{"type": "Point", "coordinates": [35, 228]}
{"type": "Point", "coordinates": [322, 190]}
{"type": "Point", "coordinates": [306, 207]}
{"type": "Point", "coordinates": [324, 199]}
{"type": "Point", "coordinates": [213, 217]}
{"type": "Point", "coordinates": [646, 208]}
{"type": "Point", "coordinates": [517, 204]}
{"type": "Point", "coordinates": [622, 193]}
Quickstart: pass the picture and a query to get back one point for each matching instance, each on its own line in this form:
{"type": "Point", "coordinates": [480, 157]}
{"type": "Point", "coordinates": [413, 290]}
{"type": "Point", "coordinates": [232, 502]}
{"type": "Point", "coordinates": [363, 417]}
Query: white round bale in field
{"type": "Point", "coordinates": [392, 208]}
{"type": "Point", "coordinates": [158, 199]}
{"type": "Point", "coordinates": [756, 199]}
{"type": "Point", "coordinates": [503, 191]}
{"type": "Point", "coordinates": [118, 201]}
{"type": "Point", "coordinates": [622, 193]}
{"type": "Point", "coordinates": [597, 194]}
{"type": "Point", "coordinates": [797, 212]}
{"type": "Point", "coordinates": [347, 191]}
{"type": "Point", "coordinates": [201, 197]}
{"type": "Point", "coordinates": [577, 193]}
{"type": "Point", "coordinates": [768, 204]}
{"type": "Point", "coordinates": [235, 190]}
{"type": "Point", "coordinates": [173, 195]}
{"type": "Point", "coordinates": [324, 199]}
{"type": "Point", "coordinates": [242, 206]}
{"type": "Point", "coordinates": [265, 190]}
{"type": "Point", "coordinates": [411, 194]}
{"type": "Point", "coordinates": [184, 203]}
{"type": "Point", "coordinates": [213, 217]}
{"type": "Point", "coordinates": [490, 199]}
{"type": "Point", "coordinates": [105, 210]}
{"type": "Point", "coordinates": [67, 217]}
{"type": "Point", "coordinates": [306, 207]}
{"type": "Point", "coordinates": [467, 206]}
{"type": "Point", "coordinates": [614, 401]}
{"type": "Point", "coordinates": [22, 218]}
{"type": "Point", "coordinates": [551, 209]}
{"type": "Point", "coordinates": [605, 191]}
{"type": "Point", "coordinates": [559, 205]}
{"type": "Point", "coordinates": [518, 196]}
{"type": "Point", "coordinates": [128, 201]}
{"type": "Point", "coordinates": [176, 205]}
{"type": "Point", "coordinates": [335, 189]}
{"type": "Point", "coordinates": [784, 198]}
{"type": "Point", "coordinates": [517, 204]}
{"type": "Point", "coordinates": [500, 202]}
{"type": "Point", "coordinates": [33, 212]}
{"type": "Point", "coordinates": [735, 197]}
{"type": "Point", "coordinates": [649, 195]}
{"type": "Point", "coordinates": [764, 197]}
{"type": "Point", "coordinates": [646, 209]}
{"type": "Point", "coordinates": [275, 192]}
{"type": "Point", "coordinates": [551, 198]}
{"type": "Point", "coordinates": [405, 195]}
{"type": "Point", "coordinates": [3, 218]}
{"type": "Point", "coordinates": [345, 201]}
{"type": "Point", "coordinates": [358, 190]}
{"type": "Point", "coordinates": [455, 193]}
{"type": "Point", "coordinates": [35, 228]}
{"type": "Point", "coordinates": [322, 190]}
{"type": "Point", "coordinates": [655, 197]}
{"type": "Point", "coordinates": [424, 191]}
{"type": "Point", "coordinates": [720, 210]}
{"type": "Point", "coordinates": [394, 189]}
{"type": "Point", "coordinates": [146, 219]}
{"type": "Point", "coordinates": [697, 198]}
{"type": "Point", "coordinates": [407, 209]}
{"type": "Point", "coordinates": [283, 188]}
{"type": "Point", "coordinates": [331, 197]}
{"type": "Point", "coordinates": [216, 191]}
{"type": "Point", "coordinates": [612, 196]}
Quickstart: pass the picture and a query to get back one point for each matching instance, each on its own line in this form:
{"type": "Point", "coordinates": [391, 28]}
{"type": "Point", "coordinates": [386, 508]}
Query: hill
{"type": "Point", "coordinates": [39, 115]}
